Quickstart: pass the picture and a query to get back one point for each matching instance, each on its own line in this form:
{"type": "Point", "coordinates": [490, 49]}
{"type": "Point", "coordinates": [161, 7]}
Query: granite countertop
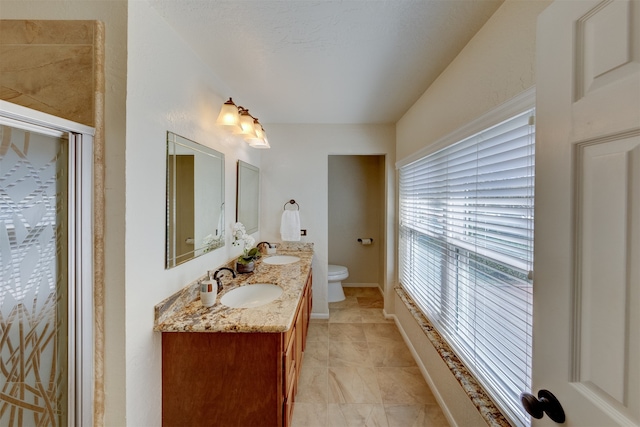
{"type": "Point", "coordinates": [183, 311]}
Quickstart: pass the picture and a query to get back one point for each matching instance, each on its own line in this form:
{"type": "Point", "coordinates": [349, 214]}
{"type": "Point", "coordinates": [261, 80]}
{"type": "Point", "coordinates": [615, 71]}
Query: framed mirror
{"type": "Point", "coordinates": [248, 196]}
{"type": "Point", "coordinates": [195, 200]}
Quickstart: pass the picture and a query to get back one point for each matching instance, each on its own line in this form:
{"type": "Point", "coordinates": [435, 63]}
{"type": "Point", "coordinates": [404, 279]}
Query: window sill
{"type": "Point", "coordinates": [476, 393]}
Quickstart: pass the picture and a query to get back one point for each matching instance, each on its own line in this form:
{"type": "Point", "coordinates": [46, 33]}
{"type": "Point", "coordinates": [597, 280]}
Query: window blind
{"type": "Point", "coordinates": [466, 252]}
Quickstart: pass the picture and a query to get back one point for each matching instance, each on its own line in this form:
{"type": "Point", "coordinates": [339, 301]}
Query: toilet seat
{"type": "Point", "coordinates": [337, 273]}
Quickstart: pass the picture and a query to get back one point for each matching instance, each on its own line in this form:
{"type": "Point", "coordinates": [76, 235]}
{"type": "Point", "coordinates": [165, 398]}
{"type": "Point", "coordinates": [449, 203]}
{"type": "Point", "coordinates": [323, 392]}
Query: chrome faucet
{"type": "Point", "coordinates": [264, 243]}
{"type": "Point", "coordinates": [219, 280]}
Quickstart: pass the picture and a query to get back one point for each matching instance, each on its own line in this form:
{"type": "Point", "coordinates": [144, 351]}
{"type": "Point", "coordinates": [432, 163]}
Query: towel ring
{"type": "Point", "coordinates": [292, 202]}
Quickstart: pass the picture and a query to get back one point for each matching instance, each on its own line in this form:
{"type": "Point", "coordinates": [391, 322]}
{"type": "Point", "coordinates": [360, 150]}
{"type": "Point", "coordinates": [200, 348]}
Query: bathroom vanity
{"type": "Point", "coordinates": [227, 366]}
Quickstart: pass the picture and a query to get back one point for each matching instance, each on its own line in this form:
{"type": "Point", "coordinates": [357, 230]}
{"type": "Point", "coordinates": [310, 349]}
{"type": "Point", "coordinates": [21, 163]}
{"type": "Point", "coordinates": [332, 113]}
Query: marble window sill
{"type": "Point", "coordinates": [479, 397]}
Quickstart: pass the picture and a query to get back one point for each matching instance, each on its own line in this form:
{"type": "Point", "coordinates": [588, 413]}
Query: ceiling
{"type": "Point", "coordinates": [309, 61]}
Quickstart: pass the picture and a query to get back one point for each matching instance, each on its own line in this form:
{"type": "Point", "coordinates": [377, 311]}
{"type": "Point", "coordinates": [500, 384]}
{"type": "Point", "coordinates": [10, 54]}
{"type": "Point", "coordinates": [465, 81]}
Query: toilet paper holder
{"type": "Point", "coordinates": [366, 241]}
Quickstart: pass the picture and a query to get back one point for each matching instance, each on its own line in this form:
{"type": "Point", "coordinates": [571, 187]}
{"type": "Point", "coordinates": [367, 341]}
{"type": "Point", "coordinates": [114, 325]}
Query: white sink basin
{"type": "Point", "coordinates": [281, 259]}
{"type": "Point", "coordinates": [251, 295]}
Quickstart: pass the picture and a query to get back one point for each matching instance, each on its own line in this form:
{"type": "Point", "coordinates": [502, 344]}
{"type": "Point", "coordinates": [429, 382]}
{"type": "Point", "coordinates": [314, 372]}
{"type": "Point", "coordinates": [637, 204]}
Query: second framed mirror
{"type": "Point", "coordinates": [248, 196]}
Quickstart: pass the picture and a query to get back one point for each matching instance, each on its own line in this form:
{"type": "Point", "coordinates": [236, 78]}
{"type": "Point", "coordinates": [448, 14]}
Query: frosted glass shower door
{"type": "Point", "coordinates": [33, 263]}
{"type": "Point", "coordinates": [41, 306]}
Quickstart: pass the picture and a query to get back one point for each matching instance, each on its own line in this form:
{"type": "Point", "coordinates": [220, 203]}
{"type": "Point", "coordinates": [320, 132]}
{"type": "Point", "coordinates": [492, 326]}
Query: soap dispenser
{"type": "Point", "coordinates": [208, 292]}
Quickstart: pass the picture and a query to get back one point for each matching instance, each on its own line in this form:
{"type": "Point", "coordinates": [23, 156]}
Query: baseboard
{"type": "Point", "coordinates": [360, 285]}
{"type": "Point", "coordinates": [320, 316]}
{"type": "Point", "coordinates": [423, 370]}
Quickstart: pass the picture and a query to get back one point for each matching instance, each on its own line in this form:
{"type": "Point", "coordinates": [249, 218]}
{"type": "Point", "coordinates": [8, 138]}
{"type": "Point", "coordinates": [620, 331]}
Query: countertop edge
{"type": "Point", "coordinates": [182, 312]}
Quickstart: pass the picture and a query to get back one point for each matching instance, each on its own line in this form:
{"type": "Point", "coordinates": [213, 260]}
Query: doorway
{"type": "Point", "coordinates": [356, 216]}
{"type": "Point", "coordinates": [46, 317]}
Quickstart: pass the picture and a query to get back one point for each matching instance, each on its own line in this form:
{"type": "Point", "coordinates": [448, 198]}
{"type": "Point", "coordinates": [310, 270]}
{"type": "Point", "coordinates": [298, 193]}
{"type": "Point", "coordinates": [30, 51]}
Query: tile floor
{"type": "Point", "coordinates": [357, 371]}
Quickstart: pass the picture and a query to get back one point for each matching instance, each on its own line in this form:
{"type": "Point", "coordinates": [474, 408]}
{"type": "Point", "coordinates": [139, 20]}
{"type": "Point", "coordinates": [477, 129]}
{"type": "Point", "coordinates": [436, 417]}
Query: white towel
{"type": "Point", "coordinates": [290, 226]}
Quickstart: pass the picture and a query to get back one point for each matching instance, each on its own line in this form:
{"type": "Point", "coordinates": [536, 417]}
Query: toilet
{"type": "Point", "coordinates": [335, 276]}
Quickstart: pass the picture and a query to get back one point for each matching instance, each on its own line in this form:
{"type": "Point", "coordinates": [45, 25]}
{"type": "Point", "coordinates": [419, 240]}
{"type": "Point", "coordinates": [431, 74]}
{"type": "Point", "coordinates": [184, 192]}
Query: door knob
{"type": "Point", "coordinates": [545, 403]}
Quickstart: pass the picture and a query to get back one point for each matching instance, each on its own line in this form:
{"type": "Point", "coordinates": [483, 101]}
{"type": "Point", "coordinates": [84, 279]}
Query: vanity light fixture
{"type": "Point", "coordinates": [238, 120]}
{"type": "Point", "coordinates": [229, 116]}
{"type": "Point", "coordinates": [260, 140]}
{"type": "Point", "coordinates": [247, 129]}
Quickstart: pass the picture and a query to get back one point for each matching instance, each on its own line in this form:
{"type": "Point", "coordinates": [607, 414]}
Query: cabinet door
{"type": "Point", "coordinates": [289, 362]}
{"type": "Point", "coordinates": [299, 340]}
{"type": "Point", "coordinates": [245, 374]}
{"type": "Point", "coordinates": [289, 402]}
{"type": "Point", "coordinates": [309, 297]}
{"type": "Point", "coordinates": [304, 308]}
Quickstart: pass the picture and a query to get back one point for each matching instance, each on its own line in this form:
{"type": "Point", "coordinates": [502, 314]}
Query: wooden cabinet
{"type": "Point", "coordinates": [233, 379]}
{"type": "Point", "coordinates": [295, 340]}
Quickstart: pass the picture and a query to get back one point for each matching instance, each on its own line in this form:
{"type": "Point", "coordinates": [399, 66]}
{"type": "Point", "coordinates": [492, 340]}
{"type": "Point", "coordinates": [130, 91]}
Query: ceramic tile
{"type": "Point", "coordinates": [382, 333]}
{"type": "Point", "coordinates": [345, 316]}
{"type": "Point", "coordinates": [390, 354]}
{"type": "Point", "coordinates": [313, 384]}
{"type": "Point", "coordinates": [46, 32]}
{"type": "Point", "coordinates": [356, 415]}
{"type": "Point", "coordinates": [346, 332]}
{"type": "Point", "coordinates": [346, 353]}
{"type": "Point", "coordinates": [309, 415]}
{"type": "Point", "coordinates": [353, 385]}
{"type": "Point", "coordinates": [370, 302]}
{"type": "Point", "coordinates": [318, 332]}
{"type": "Point", "coordinates": [67, 91]}
{"type": "Point", "coordinates": [371, 292]}
{"type": "Point", "coordinates": [415, 416]}
{"type": "Point", "coordinates": [347, 302]}
{"type": "Point", "coordinates": [403, 386]}
{"type": "Point", "coordinates": [351, 291]}
{"type": "Point", "coordinates": [373, 315]}
{"type": "Point", "coordinates": [316, 353]}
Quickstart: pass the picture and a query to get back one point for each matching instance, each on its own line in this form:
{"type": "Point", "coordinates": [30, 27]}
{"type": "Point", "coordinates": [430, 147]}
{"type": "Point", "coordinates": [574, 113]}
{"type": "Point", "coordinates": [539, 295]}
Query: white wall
{"type": "Point", "coordinates": [296, 167]}
{"type": "Point", "coordinates": [496, 65]}
{"type": "Point", "coordinates": [168, 88]}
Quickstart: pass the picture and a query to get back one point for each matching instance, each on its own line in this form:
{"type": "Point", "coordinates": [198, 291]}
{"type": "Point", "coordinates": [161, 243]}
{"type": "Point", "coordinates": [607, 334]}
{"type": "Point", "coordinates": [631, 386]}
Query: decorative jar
{"type": "Point", "coordinates": [245, 268]}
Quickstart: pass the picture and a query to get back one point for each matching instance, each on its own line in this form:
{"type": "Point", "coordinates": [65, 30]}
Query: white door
{"type": "Point", "coordinates": [587, 244]}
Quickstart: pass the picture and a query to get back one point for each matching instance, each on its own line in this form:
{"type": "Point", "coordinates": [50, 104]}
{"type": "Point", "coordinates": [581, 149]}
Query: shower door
{"type": "Point", "coordinates": [45, 263]}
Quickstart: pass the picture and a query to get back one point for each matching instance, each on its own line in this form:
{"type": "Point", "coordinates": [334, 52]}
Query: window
{"type": "Point", "coordinates": [466, 252]}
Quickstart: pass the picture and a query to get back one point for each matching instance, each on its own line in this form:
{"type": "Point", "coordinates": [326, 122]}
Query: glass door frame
{"type": "Point", "coordinates": [80, 246]}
